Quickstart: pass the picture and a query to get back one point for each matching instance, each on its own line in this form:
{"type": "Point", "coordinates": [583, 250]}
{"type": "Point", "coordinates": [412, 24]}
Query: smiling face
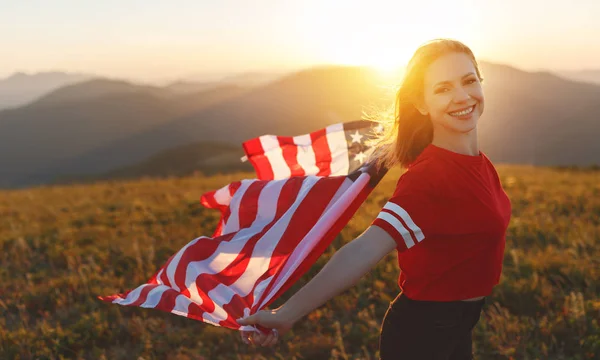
{"type": "Point", "coordinates": [452, 93]}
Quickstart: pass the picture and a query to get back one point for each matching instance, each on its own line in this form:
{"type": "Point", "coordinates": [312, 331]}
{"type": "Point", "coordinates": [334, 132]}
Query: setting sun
{"type": "Point", "coordinates": [387, 40]}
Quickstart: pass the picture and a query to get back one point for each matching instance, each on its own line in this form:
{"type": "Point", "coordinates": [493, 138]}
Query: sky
{"type": "Point", "coordinates": [156, 40]}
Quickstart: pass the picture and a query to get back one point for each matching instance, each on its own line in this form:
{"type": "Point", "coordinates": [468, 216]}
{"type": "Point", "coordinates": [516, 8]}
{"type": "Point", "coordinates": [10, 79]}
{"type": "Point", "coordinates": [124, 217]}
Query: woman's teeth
{"type": "Point", "coordinates": [464, 112]}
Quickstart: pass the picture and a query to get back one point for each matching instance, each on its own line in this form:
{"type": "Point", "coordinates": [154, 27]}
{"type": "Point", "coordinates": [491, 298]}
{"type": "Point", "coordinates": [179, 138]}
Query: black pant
{"type": "Point", "coordinates": [428, 330]}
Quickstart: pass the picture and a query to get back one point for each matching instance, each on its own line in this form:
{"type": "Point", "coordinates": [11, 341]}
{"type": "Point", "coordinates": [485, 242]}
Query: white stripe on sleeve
{"type": "Point", "coordinates": [390, 219]}
{"type": "Point", "coordinates": [407, 219]}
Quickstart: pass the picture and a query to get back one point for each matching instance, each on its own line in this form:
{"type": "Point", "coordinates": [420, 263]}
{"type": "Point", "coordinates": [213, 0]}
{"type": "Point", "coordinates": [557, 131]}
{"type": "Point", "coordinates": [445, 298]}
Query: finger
{"type": "Point", "coordinates": [244, 338]}
{"type": "Point", "coordinates": [257, 338]}
{"type": "Point", "coordinates": [274, 340]}
{"type": "Point", "coordinates": [267, 339]}
{"type": "Point", "coordinates": [251, 339]}
{"type": "Point", "coordinates": [247, 320]}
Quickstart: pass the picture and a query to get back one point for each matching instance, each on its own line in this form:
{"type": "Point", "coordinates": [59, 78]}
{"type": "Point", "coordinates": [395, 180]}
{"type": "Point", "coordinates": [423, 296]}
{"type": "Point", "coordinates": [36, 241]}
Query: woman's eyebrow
{"type": "Point", "coordinates": [449, 82]}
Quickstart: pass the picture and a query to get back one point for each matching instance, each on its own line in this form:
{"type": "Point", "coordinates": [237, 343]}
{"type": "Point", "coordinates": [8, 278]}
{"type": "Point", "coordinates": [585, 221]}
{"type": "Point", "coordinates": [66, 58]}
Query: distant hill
{"type": "Point", "coordinates": [539, 118]}
{"type": "Point", "coordinates": [246, 79]}
{"type": "Point", "coordinates": [196, 83]}
{"type": "Point", "coordinates": [187, 87]}
{"type": "Point", "coordinates": [524, 122]}
{"type": "Point", "coordinates": [20, 88]}
{"type": "Point", "coordinates": [590, 76]}
{"type": "Point", "coordinates": [530, 118]}
{"type": "Point", "coordinates": [208, 158]}
{"type": "Point", "coordinates": [97, 88]}
{"type": "Point", "coordinates": [293, 105]}
{"type": "Point", "coordinates": [37, 139]}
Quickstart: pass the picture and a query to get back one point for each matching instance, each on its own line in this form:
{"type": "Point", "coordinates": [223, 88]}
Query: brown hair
{"type": "Point", "coordinates": [408, 132]}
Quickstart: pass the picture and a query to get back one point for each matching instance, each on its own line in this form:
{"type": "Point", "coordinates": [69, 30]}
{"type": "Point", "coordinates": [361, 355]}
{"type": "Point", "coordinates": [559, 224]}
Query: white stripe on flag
{"type": "Point", "coordinates": [263, 249]}
{"type": "Point", "coordinates": [306, 154]}
{"type": "Point", "coordinates": [132, 296]}
{"type": "Point", "coordinates": [266, 211]}
{"type": "Point", "coordinates": [407, 219]}
{"type": "Point", "coordinates": [390, 219]}
{"type": "Point", "coordinates": [217, 315]}
{"type": "Point", "coordinates": [222, 196]}
{"type": "Point", "coordinates": [336, 139]}
{"type": "Point", "coordinates": [182, 304]}
{"type": "Point", "coordinates": [233, 222]}
{"type": "Point", "coordinates": [174, 264]}
{"type": "Point", "coordinates": [260, 258]}
{"type": "Point", "coordinates": [316, 234]}
{"type": "Point", "coordinates": [154, 296]}
{"type": "Point", "coordinates": [340, 192]}
{"type": "Point", "coordinates": [274, 154]}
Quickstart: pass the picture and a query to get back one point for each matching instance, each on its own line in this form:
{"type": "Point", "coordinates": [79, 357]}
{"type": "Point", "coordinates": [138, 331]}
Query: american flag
{"type": "Point", "coordinates": [338, 149]}
{"type": "Point", "coordinates": [272, 229]}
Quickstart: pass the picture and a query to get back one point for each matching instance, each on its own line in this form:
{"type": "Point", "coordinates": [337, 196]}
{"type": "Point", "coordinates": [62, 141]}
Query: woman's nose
{"type": "Point", "coordinates": [460, 95]}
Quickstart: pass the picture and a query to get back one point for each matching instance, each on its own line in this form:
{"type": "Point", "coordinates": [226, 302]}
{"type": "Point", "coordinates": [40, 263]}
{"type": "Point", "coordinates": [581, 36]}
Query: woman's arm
{"type": "Point", "coordinates": [343, 270]}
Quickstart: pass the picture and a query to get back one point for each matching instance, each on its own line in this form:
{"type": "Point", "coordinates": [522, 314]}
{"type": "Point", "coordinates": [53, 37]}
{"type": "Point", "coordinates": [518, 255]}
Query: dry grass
{"type": "Point", "coordinates": [62, 246]}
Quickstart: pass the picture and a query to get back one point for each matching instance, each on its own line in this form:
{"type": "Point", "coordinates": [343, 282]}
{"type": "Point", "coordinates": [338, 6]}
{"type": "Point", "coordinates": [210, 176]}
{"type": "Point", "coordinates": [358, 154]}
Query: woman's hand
{"type": "Point", "coordinates": [269, 319]}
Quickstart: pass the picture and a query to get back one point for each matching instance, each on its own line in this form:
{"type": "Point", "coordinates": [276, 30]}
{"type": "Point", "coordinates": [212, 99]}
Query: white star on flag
{"type": "Point", "coordinates": [379, 128]}
{"type": "Point", "coordinates": [360, 157]}
{"type": "Point", "coordinates": [356, 137]}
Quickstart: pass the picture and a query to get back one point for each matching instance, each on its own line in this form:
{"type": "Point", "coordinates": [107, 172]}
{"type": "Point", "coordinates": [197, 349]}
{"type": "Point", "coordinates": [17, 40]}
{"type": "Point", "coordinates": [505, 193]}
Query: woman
{"type": "Point", "coordinates": [447, 218]}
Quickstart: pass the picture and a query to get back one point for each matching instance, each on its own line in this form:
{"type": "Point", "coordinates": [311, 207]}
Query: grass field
{"type": "Point", "coordinates": [60, 247]}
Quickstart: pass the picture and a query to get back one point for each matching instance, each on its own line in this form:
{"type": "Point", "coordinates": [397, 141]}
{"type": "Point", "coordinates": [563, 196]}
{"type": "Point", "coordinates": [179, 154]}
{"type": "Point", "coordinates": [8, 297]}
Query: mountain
{"type": "Point", "coordinates": [530, 118]}
{"type": "Point", "coordinates": [252, 78]}
{"type": "Point", "coordinates": [539, 118]}
{"type": "Point", "coordinates": [293, 105]}
{"type": "Point", "coordinates": [208, 158]}
{"type": "Point", "coordinates": [187, 87]}
{"type": "Point", "coordinates": [197, 83]}
{"type": "Point", "coordinates": [97, 88]}
{"type": "Point", "coordinates": [590, 76]}
{"type": "Point", "coordinates": [20, 88]}
{"type": "Point", "coordinates": [37, 139]}
{"type": "Point", "coordinates": [246, 79]}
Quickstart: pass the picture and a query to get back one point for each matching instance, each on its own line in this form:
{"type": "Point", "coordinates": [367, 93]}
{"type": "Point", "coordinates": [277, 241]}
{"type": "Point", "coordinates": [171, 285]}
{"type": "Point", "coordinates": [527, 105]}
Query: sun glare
{"type": "Point", "coordinates": [386, 61]}
{"type": "Point", "coordinates": [386, 41]}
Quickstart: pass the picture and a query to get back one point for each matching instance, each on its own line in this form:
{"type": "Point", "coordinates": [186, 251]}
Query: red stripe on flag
{"type": "Point", "coordinates": [286, 199]}
{"type": "Point", "coordinates": [207, 282]}
{"type": "Point", "coordinates": [195, 311]}
{"type": "Point", "coordinates": [256, 155]}
{"type": "Point", "coordinates": [290, 155]}
{"type": "Point", "coordinates": [234, 309]}
{"type": "Point", "coordinates": [143, 295]}
{"type": "Point", "coordinates": [309, 211]}
{"type": "Point", "coordinates": [208, 200]}
{"type": "Point", "coordinates": [247, 213]}
{"type": "Point", "coordinates": [322, 244]}
{"type": "Point", "coordinates": [233, 187]}
{"type": "Point", "coordinates": [167, 300]}
{"type": "Point", "coordinates": [201, 250]}
{"type": "Point", "coordinates": [322, 152]}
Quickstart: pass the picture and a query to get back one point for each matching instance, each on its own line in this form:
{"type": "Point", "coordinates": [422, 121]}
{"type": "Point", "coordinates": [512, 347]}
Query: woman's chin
{"type": "Point", "coordinates": [464, 126]}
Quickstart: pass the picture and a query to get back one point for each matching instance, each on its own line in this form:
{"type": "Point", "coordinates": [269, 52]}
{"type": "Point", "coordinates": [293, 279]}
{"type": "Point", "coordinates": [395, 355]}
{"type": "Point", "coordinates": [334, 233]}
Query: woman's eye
{"type": "Point", "coordinates": [470, 81]}
{"type": "Point", "coordinates": [441, 90]}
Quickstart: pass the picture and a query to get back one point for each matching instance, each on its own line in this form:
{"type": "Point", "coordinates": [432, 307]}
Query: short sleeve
{"type": "Point", "coordinates": [409, 215]}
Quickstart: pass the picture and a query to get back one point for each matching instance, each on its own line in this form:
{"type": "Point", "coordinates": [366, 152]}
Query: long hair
{"type": "Point", "coordinates": [407, 132]}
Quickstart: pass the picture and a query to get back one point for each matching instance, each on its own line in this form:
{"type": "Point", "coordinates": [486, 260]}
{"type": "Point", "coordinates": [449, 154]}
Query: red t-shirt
{"type": "Point", "coordinates": [448, 216]}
